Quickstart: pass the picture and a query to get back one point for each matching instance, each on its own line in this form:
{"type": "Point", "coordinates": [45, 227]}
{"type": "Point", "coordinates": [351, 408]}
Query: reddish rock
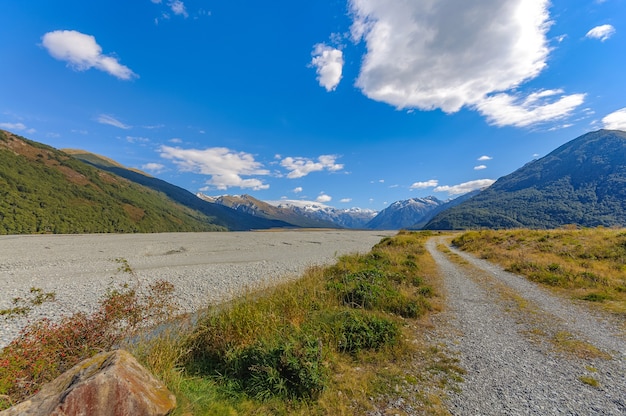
{"type": "Point", "coordinates": [109, 384]}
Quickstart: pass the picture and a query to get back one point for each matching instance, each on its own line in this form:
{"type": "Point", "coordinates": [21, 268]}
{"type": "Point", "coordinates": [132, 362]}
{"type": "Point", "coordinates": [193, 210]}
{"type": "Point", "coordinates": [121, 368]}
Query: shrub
{"type": "Point", "coordinates": [357, 330]}
{"type": "Point", "coordinates": [293, 369]}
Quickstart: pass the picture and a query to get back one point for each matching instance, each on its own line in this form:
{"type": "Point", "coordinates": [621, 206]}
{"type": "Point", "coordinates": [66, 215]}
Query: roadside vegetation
{"type": "Point", "coordinates": [342, 339]}
{"type": "Point", "coordinates": [584, 264]}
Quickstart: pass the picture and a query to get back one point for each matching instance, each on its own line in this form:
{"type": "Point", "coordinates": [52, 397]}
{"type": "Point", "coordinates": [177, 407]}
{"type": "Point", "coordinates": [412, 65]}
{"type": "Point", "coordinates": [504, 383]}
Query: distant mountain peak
{"type": "Point", "coordinates": [404, 214]}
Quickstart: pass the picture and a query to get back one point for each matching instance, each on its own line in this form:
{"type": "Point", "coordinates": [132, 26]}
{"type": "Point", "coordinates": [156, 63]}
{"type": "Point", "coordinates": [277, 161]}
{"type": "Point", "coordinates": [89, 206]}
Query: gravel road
{"type": "Point", "coordinates": [204, 267]}
{"type": "Point", "coordinates": [505, 331]}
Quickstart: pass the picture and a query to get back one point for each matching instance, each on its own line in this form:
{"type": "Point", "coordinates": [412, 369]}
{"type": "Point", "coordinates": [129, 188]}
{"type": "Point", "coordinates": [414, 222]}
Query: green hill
{"type": "Point", "coordinates": [582, 182]}
{"type": "Point", "coordinates": [44, 190]}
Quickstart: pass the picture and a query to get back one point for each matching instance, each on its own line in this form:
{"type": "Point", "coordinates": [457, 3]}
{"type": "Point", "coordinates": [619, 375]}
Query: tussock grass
{"type": "Point", "coordinates": [586, 264]}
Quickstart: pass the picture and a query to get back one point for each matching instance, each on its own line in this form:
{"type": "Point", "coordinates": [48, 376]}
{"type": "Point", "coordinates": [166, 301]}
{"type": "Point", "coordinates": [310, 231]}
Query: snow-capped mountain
{"type": "Point", "coordinates": [258, 208]}
{"type": "Point", "coordinates": [346, 218]}
{"type": "Point", "coordinates": [404, 214]}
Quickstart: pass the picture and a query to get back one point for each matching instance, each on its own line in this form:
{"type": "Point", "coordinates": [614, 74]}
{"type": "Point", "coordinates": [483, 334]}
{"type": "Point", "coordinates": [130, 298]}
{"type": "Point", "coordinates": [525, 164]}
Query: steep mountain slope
{"type": "Point", "coordinates": [344, 218]}
{"type": "Point", "coordinates": [444, 206]}
{"type": "Point", "coordinates": [44, 190]}
{"type": "Point", "coordinates": [403, 214]}
{"type": "Point", "coordinates": [582, 182]}
{"type": "Point", "coordinates": [253, 206]}
{"type": "Point", "coordinates": [223, 215]}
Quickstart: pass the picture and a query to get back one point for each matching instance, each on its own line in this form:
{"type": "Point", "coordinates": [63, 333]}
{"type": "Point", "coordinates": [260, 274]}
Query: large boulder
{"type": "Point", "coordinates": [108, 384]}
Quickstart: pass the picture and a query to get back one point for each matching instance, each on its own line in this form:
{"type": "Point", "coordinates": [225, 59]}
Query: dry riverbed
{"type": "Point", "coordinates": [205, 268]}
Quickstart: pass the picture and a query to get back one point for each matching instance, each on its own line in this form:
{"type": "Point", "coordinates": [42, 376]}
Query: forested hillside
{"type": "Point", "coordinates": [582, 182]}
{"type": "Point", "coordinates": [44, 190]}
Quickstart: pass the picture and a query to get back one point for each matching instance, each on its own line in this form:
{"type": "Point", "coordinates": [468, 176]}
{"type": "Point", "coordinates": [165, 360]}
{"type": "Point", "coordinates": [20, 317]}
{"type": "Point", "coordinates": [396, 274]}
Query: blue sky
{"type": "Point", "coordinates": [354, 103]}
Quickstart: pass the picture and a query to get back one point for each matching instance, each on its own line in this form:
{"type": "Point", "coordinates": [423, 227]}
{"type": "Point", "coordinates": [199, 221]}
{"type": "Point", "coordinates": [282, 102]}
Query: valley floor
{"type": "Point", "coordinates": [204, 268]}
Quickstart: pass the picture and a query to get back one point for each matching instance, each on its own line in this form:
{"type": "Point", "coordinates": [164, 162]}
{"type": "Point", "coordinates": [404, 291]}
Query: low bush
{"type": "Point", "coordinates": [356, 331]}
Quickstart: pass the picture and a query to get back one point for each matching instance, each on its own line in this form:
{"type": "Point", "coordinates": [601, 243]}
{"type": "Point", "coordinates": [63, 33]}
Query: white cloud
{"type": "Point", "coordinates": [465, 187]}
{"type": "Point", "coordinates": [13, 126]}
{"type": "Point", "coordinates": [616, 120]}
{"type": "Point", "coordinates": [153, 167]}
{"type": "Point", "coordinates": [297, 190]}
{"type": "Point", "coordinates": [226, 167]}
{"type": "Point", "coordinates": [175, 140]}
{"type": "Point", "coordinates": [509, 110]}
{"type": "Point", "coordinates": [602, 32]}
{"type": "Point", "coordinates": [345, 200]}
{"type": "Point", "coordinates": [300, 166]}
{"type": "Point", "coordinates": [16, 127]}
{"type": "Point", "coordinates": [484, 157]}
{"type": "Point", "coordinates": [448, 54]}
{"type": "Point", "coordinates": [328, 63]}
{"type": "Point", "coordinates": [324, 198]}
{"type": "Point", "coordinates": [480, 167]}
{"type": "Point", "coordinates": [112, 121]}
{"type": "Point", "coordinates": [136, 139]}
{"type": "Point", "coordinates": [423, 185]}
{"type": "Point", "coordinates": [81, 52]}
{"type": "Point", "coordinates": [178, 8]}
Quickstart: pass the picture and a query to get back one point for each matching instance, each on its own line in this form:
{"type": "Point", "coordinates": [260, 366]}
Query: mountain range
{"type": "Point", "coordinates": [45, 190]}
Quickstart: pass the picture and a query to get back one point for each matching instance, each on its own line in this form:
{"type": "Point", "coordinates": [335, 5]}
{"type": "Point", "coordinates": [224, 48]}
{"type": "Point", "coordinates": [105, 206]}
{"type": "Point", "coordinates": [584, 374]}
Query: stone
{"type": "Point", "coordinates": [108, 384]}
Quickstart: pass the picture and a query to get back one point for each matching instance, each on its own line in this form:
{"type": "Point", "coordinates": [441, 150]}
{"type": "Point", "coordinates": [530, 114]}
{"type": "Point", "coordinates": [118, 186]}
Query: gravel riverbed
{"type": "Point", "coordinates": [205, 268]}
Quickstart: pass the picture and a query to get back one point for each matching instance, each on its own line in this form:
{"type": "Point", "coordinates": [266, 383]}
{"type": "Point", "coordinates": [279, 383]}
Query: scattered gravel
{"type": "Point", "coordinates": [205, 268]}
{"type": "Point", "coordinates": [512, 367]}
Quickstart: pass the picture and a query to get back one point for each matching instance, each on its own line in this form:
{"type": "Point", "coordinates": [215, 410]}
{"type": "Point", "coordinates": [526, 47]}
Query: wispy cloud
{"type": "Point", "coordinates": [16, 127]}
{"type": "Point", "coordinates": [484, 158]}
{"type": "Point", "coordinates": [297, 190]}
{"type": "Point", "coordinates": [424, 185]}
{"type": "Point", "coordinates": [447, 55]}
{"type": "Point", "coordinates": [512, 110]}
{"type": "Point", "coordinates": [328, 63]}
{"type": "Point", "coordinates": [81, 52]}
{"type": "Point", "coordinates": [480, 167]}
{"type": "Point", "coordinates": [178, 8]}
{"type": "Point", "coordinates": [602, 32]}
{"type": "Point", "coordinates": [136, 139]}
{"type": "Point", "coordinates": [616, 120]}
{"type": "Point", "coordinates": [465, 187]}
{"type": "Point", "coordinates": [153, 167]}
{"type": "Point", "coordinates": [112, 121]}
{"type": "Point", "coordinates": [225, 167]}
{"type": "Point", "coordinates": [345, 200]}
{"type": "Point", "coordinates": [301, 166]}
